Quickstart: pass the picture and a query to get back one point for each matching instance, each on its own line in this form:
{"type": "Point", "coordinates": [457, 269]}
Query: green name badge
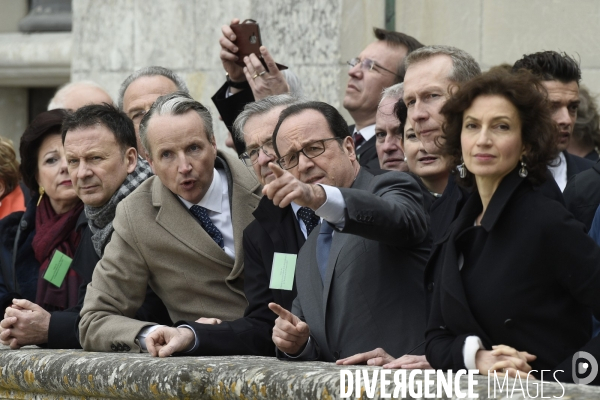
{"type": "Point", "coordinates": [58, 268]}
{"type": "Point", "coordinates": [282, 273]}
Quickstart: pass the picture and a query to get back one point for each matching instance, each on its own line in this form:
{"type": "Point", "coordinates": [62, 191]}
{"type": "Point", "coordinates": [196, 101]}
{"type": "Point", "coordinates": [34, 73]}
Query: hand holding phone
{"type": "Point", "coordinates": [229, 53]}
{"type": "Point", "coordinates": [248, 41]}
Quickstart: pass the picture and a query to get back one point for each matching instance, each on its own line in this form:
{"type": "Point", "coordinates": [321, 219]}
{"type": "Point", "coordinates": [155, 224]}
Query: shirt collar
{"type": "Point", "coordinates": [295, 208]}
{"type": "Point", "coordinates": [367, 132]}
{"type": "Point", "coordinates": [212, 199]}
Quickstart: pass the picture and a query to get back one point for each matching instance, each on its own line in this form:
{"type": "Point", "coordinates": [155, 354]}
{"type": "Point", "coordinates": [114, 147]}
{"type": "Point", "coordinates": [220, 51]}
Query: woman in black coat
{"type": "Point", "coordinates": [515, 270]}
{"type": "Point", "coordinates": [51, 222]}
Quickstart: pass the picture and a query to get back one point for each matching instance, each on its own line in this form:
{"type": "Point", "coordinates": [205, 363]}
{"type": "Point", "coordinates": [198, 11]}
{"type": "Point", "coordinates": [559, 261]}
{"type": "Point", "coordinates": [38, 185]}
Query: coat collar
{"type": "Point", "coordinates": [473, 206]}
{"type": "Point", "coordinates": [500, 199]}
{"type": "Point", "coordinates": [597, 166]}
{"type": "Point", "coordinates": [174, 217]}
{"type": "Point", "coordinates": [362, 180]}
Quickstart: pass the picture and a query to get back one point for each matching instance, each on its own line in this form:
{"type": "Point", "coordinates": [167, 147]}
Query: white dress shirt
{"type": "Point", "coordinates": [295, 208]}
{"type": "Point", "coordinates": [560, 171]}
{"type": "Point", "coordinates": [216, 201]}
{"type": "Point", "coordinates": [367, 132]}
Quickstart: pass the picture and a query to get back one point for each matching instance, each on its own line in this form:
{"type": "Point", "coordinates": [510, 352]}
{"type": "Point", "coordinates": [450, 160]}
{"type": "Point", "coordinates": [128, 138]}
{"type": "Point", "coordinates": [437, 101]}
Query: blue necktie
{"type": "Point", "coordinates": [309, 218]}
{"type": "Point", "coordinates": [202, 214]}
{"type": "Point", "coordinates": [323, 247]}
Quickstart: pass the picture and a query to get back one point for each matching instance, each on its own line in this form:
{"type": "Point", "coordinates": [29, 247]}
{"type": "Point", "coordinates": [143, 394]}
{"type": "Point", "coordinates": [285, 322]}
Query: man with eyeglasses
{"type": "Point", "coordinates": [141, 89]}
{"type": "Point", "coordinates": [377, 67]}
{"type": "Point", "coordinates": [362, 269]}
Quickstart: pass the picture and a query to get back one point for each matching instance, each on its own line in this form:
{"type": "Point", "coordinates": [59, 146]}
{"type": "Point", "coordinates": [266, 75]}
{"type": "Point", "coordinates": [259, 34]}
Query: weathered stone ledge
{"type": "Point", "coordinates": [33, 373]}
{"type": "Point", "coordinates": [38, 59]}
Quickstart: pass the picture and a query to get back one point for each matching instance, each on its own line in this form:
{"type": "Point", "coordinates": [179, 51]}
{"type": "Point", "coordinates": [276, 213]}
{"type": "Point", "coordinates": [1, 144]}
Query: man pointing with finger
{"type": "Point", "coordinates": [359, 275]}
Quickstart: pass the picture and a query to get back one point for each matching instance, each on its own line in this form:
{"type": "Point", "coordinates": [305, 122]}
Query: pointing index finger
{"type": "Point", "coordinates": [277, 170]}
{"type": "Point", "coordinates": [282, 312]}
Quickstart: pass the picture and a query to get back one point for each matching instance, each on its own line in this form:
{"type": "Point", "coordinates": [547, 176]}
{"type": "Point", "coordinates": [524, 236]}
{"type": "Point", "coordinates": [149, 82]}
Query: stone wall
{"type": "Point", "coordinates": [496, 32]}
{"type": "Point", "coordinates": [32, 373]}
{"type": "Point", "coordinates": [113, 38]}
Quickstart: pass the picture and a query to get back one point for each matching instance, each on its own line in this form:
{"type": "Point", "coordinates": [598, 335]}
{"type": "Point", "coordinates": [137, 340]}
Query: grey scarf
{"type": "Point", "coordinates": [101, 218]}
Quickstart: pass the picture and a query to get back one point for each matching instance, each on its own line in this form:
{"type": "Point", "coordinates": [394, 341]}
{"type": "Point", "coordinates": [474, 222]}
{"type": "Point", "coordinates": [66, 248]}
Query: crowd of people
{"type": "Point", "coordinates": [446, 228]}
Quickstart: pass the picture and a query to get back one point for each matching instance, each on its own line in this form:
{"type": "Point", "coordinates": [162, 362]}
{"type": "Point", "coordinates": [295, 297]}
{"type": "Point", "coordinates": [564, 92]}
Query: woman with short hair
{"type": "Point", "coordinates": [51, 222]}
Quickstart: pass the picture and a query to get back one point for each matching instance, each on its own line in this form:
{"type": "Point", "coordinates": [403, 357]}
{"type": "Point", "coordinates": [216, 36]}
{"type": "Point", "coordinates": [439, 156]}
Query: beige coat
{"type": "Point", "coordinates": [157, 241]}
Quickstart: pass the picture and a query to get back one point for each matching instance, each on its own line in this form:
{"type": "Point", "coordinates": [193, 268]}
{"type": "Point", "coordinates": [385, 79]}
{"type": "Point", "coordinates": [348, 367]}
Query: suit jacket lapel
{"type": "Point", "coordinates": [244, 200]}
{"type": "Point", "coordinates": [314, 277]}
{"type": "Point", "coordinates": [179, 222]}
{"type": "Point", "coordinates": [453, 296]}
{"type": "Point", "coordinates": [174, 217]}
{"type": "Point", "coordinates": [337, 243]}
{"type": "Point", "coordinates": [339, 239]}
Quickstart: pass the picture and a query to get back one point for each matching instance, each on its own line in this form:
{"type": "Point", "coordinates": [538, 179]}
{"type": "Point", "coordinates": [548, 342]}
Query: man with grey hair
{"type": "Point", "coordinates": [388, 136]}
{"type": "Point", "coordinates": [431, 74]}
{"type": "Point", "coordinates": [74, 95]}
{"type": "Point", "coordinates": [180, 233]}
{"type": "Point", "coordinates": [141, 89]}
{"type": "Point", "coordinates": [274, 230]}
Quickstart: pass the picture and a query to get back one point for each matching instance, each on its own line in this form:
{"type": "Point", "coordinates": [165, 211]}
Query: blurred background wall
{"type": "Point", "coordinates": [45, 43]}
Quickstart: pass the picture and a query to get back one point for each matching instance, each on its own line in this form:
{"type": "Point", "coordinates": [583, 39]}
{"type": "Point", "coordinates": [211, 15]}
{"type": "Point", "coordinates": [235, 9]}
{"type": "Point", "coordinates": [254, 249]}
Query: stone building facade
{"type": "Point", "coordinates": [112, 38]}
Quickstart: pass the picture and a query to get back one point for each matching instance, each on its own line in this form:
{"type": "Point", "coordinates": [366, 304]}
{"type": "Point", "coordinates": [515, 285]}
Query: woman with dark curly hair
{"type": "Point", "coordinates": [51, 222]}
{"type": "Point", "coordinates": [516, 276]}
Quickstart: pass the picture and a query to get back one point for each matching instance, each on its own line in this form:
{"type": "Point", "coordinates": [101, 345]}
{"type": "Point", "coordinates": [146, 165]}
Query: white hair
{"type": "Point", "coordinates": [61, 94]}
{"type": "Point", "coordinates": [393, 92]}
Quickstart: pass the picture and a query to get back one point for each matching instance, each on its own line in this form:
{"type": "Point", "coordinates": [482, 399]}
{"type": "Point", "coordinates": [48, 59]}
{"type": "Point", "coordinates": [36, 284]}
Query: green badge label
{"type": "Point", "coordinates": [58, 268]}
{"type": "Point", "coordinates": [282, 273]}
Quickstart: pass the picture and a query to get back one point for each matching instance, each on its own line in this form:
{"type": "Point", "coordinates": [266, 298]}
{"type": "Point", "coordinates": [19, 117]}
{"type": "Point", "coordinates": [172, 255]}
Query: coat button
{"type": "Point", "coordinates": [113, 347]}
{"type": "Point", "coordinates": [430, 287]}
{"type": "Point", "coordinates": [336, 355]}
{"type": "Point", "coordinates": [119, 347]}
{"type": "Point", "coordinates": [509, 323]}
{"type": "Point", "coordinates": [126, 348]}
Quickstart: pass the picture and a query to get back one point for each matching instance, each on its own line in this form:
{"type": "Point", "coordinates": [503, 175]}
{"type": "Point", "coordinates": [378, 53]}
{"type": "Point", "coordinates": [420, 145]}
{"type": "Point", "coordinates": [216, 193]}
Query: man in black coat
{"type": "Point", "coordinates": [274, 230]}
{"type": "Point", "coordinates": [103, 132]}
{"type": "Point", "coordinates": [582, 194]}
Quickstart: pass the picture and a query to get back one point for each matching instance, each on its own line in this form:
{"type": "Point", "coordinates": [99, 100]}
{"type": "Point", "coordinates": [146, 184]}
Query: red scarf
{"type": "Point", "coordinates": [56, 232]}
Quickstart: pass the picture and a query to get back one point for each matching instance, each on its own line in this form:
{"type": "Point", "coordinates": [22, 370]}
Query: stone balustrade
{"type": "Point", "coordinates": [33, 373]}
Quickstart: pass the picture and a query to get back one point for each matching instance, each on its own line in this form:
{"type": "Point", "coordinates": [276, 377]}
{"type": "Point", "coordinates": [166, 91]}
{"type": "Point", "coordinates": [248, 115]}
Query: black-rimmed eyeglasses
{"type": "Point", "coordinates": [367, 64]}
{"type": "Point", "coordinates": [311, 150]}
{"type": "Point", "coordinates": [251, 157]}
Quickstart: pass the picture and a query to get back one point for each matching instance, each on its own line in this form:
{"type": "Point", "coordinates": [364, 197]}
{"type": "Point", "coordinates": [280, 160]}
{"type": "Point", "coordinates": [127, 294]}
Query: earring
{"type": "Point", "coordinates": [405, 159]}
{"type": "Point", "coordinates": [41, 191]}
{"type": "Point", "coordinates": [462, 170]}
{"type": "Point", "coordinates": [523, 171]}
